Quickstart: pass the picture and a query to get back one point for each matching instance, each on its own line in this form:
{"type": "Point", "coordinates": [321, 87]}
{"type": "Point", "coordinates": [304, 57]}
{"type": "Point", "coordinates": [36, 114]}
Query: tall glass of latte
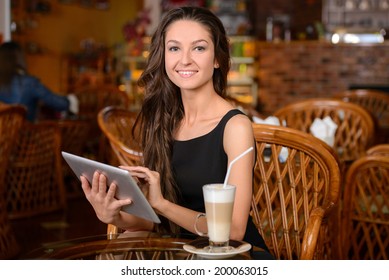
{"type": "Point", "coordinates": [219, 203]}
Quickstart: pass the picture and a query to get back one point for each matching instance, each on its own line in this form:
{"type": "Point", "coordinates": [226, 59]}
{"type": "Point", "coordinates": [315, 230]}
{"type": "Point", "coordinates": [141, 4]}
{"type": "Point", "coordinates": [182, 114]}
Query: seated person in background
{"type": "Point", "coordinates": [18, 87]}
{"type": "Point", "coordinates": [189, 132]}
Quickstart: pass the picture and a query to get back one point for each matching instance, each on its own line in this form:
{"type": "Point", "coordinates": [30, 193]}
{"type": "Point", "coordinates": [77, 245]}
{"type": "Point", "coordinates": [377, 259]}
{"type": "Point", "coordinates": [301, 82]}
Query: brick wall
{"type": "Point", "coordinates": [305, 69]}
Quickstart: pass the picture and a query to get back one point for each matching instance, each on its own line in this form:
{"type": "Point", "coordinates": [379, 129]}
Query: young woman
{"type": "Point", "coordinates": [189, 132]}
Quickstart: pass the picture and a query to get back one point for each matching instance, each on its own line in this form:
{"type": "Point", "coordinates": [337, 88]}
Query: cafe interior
{"type": "Point", "coordinates": [312, 75]}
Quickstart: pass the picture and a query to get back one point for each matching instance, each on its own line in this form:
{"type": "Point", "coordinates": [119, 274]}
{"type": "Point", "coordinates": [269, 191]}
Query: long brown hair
{"type": "Point", "coordinates": [162, 109]}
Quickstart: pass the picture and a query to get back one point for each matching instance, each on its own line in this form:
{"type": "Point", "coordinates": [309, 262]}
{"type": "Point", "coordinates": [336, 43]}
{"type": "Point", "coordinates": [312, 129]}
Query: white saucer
{"type": "Point", "coordinates": [199, 247]}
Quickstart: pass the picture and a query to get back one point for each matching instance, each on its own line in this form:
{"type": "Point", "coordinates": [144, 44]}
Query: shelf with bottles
{"type": "Point", "coordinates": [234, 15]}
{"type": "Point", "coordinates": [130, 64]}
{"type": "Point", "coordinates": [358, 6]}
{"type": "Point", "coordinates": [93, 64]}
{"type": "Point", "coordinates": [130, 61]}
{"type": "Point", "coordinates": [368, 15]}
{"type": "Point", "coordinates": [25, 21]}
{"type": "Point", "coordinates": [242, 82]}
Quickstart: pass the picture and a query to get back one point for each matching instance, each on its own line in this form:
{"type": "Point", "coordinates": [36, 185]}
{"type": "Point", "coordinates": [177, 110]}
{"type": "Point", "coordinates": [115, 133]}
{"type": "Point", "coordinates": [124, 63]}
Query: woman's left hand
{"type": "Point", "coordinates": [148, 180]}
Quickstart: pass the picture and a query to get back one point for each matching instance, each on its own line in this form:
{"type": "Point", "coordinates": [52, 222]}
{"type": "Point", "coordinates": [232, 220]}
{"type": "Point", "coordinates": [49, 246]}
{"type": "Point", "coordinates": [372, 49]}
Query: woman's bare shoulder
{"type": "Point", "coordinates": [240, 120]}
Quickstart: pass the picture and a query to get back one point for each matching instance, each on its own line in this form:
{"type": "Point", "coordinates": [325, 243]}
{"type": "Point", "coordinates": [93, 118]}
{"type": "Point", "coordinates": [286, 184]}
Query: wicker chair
{"type": "Point", "coordinates": [34, 176]}
{"type": "Point", "coordinates": [355, 132]}
{"type": "Point", "coordinates": [11, 120]}
{"type": "Point", "coordinates": [92, 99]}
{"type": "Point", "coordinates": [353, 137]}
{"type": "Point", "coordinates": [296, 186]}
{"type": "Point", "coordinates": [365, 224]}
{"type": "Point", "coordinates": [374, 101]}
{"type": "Point", "coordinates": [116, 124]}
{"type": "Point", "coordinates": [74, 136]}
{"type": "Point", "coordinates": [382, 149]}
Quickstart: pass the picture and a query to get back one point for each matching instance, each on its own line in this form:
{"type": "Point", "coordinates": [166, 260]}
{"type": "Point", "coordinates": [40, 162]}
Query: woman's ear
{"type": "Point", "coordinates": [216, 64]}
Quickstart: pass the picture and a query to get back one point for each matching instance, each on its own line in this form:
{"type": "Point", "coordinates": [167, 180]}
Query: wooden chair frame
{"type": "Point", "coordinates": [11, 120]}
{"type": "Point", "coordinates": [34, 177]}
{"type": "Point", "coordinates": [293, 198]}
{"type": "Point", "coordinates": [74, 136]}
{"type": "Point", "coordinates": [374, 101]}
{"type": "Point", "coordinates": [381, 149]}
{"type": "Point", "coordinates": [355, 132]}
{"type": "Point", "coordinates": [365, 224]}
{"type": "Point", "coordinates": [116, 124]}
{"type": "Point", "coordinates": [92, 99]}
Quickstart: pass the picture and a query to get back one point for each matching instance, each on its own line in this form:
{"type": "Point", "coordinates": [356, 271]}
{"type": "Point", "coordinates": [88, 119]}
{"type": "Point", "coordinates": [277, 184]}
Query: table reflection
{"type": "Point", "coordinates": [125, 246]}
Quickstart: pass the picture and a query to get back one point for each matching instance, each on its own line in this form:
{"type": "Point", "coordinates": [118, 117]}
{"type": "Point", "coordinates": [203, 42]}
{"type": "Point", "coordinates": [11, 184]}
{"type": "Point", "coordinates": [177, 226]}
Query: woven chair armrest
{"type": "Point", "coordinates": [311, 234]}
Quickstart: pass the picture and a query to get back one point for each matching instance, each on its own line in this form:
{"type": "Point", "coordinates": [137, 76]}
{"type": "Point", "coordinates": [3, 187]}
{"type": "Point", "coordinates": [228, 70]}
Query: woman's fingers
{"type": "Point", "coordinates": [141, 172]}
{"type": "Point", "coordinates": [110, 196]}
{"type": "Point", "coordinates": [111, 191]}
{"type": "Point", "coordinates": [85, 185]}
{"type": "Point", "coordinates": [102, 184]}
{"type": "Point", "coordinates": [95, 182]}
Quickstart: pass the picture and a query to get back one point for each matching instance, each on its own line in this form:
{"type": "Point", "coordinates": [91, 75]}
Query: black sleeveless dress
{"type": "Point", "coordinates": [201, 161]}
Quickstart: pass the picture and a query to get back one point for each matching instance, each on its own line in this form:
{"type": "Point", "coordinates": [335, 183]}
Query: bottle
{"type": "Point", "coordinates": [269, 29]}
{"type": "Point", "coordinates": [287, 35]}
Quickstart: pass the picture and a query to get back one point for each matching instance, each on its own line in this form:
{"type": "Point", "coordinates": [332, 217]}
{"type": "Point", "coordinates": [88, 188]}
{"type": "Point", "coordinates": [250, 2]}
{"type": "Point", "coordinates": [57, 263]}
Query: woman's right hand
{"type": "Point", "coordinates": [106, 206]}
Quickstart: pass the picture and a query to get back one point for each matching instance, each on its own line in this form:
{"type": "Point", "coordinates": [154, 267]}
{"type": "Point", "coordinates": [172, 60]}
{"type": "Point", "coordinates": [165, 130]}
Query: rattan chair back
{"type": "Point", "coordinates": [366, 209]}
{"type": "Point", "coordinates": [296, 186]}
{"type": "Point", "coordinates": [11, 120]}
{"type": "Point", "coordinates": [74, 137]}
{"type": "Point", "coordinates": [117, 125]}
{"type": "Point", "coordinates": [92, 99]}
{"type": "Point", "coordinates": [381, 149]}
{"type": "Point", "coordinates": [377, 103]}
{"type": "Point", "coordinates": [355, 131]}
{"type": "Point", "coordinates": [34, 177]}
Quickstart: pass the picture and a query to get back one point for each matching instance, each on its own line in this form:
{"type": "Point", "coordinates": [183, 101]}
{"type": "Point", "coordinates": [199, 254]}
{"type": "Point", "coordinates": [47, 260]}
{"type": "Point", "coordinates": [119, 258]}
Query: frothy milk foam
{"type": "Point", "coordinates": [218, 207]}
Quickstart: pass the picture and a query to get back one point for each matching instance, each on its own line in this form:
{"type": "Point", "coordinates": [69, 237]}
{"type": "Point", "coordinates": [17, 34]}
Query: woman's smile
{"type": "Point", "coordinates": [186, 73]}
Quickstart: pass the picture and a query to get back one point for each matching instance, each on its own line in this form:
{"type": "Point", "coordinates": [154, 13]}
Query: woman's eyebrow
{"type": "Point", "coordinates": [172, 41]}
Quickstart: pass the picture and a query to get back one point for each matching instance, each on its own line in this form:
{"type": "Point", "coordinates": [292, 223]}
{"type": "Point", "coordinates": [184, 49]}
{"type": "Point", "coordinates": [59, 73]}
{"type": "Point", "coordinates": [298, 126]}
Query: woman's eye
{"type": "Point", "coordinates": [173, 49]}
{"type": "Point", "coordinates": [199, 48]}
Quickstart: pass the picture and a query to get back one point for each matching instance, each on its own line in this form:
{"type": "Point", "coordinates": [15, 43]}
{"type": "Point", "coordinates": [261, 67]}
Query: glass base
{"type": "Point", "coordinates": [218, 247]}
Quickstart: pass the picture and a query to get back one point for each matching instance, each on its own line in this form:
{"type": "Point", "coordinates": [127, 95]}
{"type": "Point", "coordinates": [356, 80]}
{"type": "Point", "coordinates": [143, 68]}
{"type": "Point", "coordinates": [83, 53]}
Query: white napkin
{"type": "Point", "coordinates": [324, 129]}
{"type": "Point", "coordinates": [74, 103]}
{"type": "Point", "coordinates": [271, 120]}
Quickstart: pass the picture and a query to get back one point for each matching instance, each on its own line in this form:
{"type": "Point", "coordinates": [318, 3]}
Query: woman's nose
{"type": "Point", "coordinates": [186, 57]}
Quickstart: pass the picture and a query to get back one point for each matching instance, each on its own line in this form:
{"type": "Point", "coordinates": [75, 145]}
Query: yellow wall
{"type": "Point", "coordinates": [61, 31]}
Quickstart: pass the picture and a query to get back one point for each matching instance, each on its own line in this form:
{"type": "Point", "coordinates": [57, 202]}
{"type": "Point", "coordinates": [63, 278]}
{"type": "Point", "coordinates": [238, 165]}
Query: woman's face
{"type": "Point", "coordinates": [189, 55]}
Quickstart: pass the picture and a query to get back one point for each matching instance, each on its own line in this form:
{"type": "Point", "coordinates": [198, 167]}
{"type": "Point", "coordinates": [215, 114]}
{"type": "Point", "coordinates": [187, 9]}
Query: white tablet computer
{"type": "Point", "coordinates": [126, 185]}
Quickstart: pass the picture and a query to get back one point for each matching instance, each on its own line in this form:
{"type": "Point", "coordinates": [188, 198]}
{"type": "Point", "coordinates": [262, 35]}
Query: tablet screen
{"type": "Point", "coordinates": [126, 185]}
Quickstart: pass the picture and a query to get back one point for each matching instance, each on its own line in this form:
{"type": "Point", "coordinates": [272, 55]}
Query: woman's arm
{"type": "Point", "coordinates": [238, 137]}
